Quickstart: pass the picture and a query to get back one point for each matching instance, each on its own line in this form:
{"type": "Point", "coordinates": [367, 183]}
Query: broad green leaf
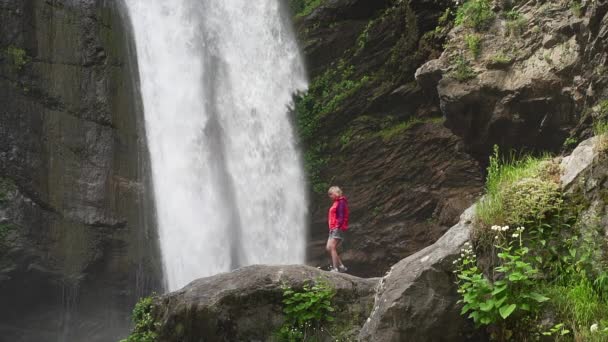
{"type": "Point", "coordinates": [507, 310]}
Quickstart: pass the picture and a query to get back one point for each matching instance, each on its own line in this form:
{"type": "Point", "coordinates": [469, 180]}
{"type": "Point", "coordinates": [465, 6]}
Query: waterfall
{"type": "Point", "coordinates": [217, 78]}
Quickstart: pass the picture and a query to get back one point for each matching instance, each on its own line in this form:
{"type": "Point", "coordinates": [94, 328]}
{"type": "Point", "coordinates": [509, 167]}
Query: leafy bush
{"type": "Point", "coordinates": [462, 70]}
{"type": "Point", "coordinates": [501, 59]}
{"type": "Point", "coordinates": [146, 327]}
{"type": "Point", "coordinates": [516, 23]}
{"type": "Point", "coordinates": [476, 14]}
{"type": "Point", "coordinates": [500, 303]}
{"type": "Point", "coordinates": [576, 7]}
{"type": "Point", "coordinates": [473, 44]}
{"type": "Point", "coordinates": [518, 192]}
{"type": "Point", "coordinates": [307, 312]}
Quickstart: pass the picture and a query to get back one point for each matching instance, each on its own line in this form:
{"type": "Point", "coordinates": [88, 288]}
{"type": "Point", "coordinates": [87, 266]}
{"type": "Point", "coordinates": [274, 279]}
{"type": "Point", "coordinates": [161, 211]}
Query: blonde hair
{"type": "Point", "coordinates": [334, 190]}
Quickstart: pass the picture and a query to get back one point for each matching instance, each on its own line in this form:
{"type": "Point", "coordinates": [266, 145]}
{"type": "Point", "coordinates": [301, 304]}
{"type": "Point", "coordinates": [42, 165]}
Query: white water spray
{"type": "Point", "coordinates": [216, 79]}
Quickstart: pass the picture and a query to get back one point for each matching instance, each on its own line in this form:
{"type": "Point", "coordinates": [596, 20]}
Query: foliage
{"type": "Point", "coordinates": [513, 295]}
{"type": "Point", "coordinates": [603, 108]}
{"type": "Point", "coordinates": [462, 69]}
{"type": "Point", "coordinates": [146, 327]}
{"type": "Point", "coordinates": [17, 57]}
{"type": "Point", "coordinates": [364, 36]}
{"type": "Point", "coordinates": [576, 7]}
{"type": "Point", "coordinates": [501, 58]}
{"type": "Point", "coordinates": [302, 8]}
{"type": "Point", "coordinates": [307, 312]}
{"type": "Point", "coordinates": [325, 95]}
{"type": "Point", "coordinates": [516, 23]}
{"type": "Point", "coordinates": [518, 191]}
{"type": "Point", "coordinates": [600, 127]}
{"type": "Point", "coordinates": [473, 44]}
{"type": "Point", "coordinates": [314, 162]}
{"type": "Point", "coordinates": [570, 142]}
{"type": "Point", "coordinates": [476, 14]}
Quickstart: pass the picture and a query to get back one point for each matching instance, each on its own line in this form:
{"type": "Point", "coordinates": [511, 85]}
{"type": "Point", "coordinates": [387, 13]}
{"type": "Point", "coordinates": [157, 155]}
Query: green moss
{"type": "Point", "coordinates": [316, 160]}
{"type": "Point", "coordinates": [146, 328]}
{"type": "Point", "coordinates": [302, 8]}
{"type": "Point", "coordinates": [17, 57]}
{"type": "Point", "coordinates": [577, 8]}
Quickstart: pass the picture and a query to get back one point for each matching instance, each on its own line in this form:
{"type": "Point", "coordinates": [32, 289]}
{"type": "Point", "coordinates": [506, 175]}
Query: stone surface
{"type": "Point", "coordinates": [78, 249]}
{"type": "Point", "coordinates": [535, 101]}
{"type": "Point", "coordinates": [417, 299]}
{"type": "Point", "coordinates": [579, 160]}
{"type": "Point", "coordinates": [407, 188]}
{"type": "Point", "coordinates": [245, 305]}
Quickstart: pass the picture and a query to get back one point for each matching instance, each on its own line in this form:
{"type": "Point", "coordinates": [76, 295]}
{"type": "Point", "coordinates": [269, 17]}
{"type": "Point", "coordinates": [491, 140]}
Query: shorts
{"type": "Point", "coordinates": [336, 234]}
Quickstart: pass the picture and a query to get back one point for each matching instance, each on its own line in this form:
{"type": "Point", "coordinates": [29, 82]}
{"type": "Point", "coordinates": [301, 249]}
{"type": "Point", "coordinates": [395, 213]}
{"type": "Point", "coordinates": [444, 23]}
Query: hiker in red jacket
{"type": "Point", "coordinates": [337, 219]}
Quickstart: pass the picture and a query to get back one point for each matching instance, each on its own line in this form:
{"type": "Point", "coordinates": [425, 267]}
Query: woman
{"type": "Point", "coordinates": [337, 220]}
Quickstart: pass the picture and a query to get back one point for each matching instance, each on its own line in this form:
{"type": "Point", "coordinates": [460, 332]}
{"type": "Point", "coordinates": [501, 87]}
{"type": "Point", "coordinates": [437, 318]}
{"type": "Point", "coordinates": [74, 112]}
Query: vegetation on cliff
{"type": "Point", "coordinates": [537, 265]}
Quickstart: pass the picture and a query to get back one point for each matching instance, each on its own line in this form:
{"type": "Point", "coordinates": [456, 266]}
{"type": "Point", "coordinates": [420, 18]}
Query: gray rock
{"type": "Point", "coordinates": [245, 305]}
{"type": "Point", "coordinates": [579, 160]}
{"type": "Point", "coordinates": [417, 299]}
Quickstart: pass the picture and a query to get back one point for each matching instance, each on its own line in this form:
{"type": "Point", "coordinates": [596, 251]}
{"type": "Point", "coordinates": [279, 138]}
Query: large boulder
{"type": "Point", "coordinates": [417, 299]}
{"type": "Point", "coordinates": [245, 305]}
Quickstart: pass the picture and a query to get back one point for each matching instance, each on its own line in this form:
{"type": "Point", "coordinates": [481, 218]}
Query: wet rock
{"type": "Point", "coordinates": [417, 299]}
{"type": "Point", "coordinates": [245, 305]}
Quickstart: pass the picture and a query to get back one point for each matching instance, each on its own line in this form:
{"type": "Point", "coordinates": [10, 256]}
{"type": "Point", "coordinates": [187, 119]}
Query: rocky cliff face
{"type": "Point", "coordinates": [76, 248]}
{"type": "Point", "coordinates": [371, 129]}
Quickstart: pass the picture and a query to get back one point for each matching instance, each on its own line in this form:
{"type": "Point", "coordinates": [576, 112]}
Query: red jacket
{"type": "Point", "coordinates": [337, 217]}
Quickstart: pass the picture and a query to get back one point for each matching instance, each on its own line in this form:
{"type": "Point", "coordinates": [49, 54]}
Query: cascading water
{"type": "Point", "coordinates": [217, 77]}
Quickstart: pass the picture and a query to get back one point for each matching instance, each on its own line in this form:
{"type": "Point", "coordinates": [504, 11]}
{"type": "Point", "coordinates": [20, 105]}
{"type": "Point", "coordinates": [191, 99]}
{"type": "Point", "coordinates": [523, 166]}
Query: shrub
{"type": "Point", "coordinates": [146, 327]}
{"type": "Point", "coordinates": [515, 189]}
{"type": "Point", "coordinates": [576, 7]}
{"type": "Point", "coordinates": [476, 14]}
{"type": "Point", "coordinates": [508, 297]}
{"type": "Point", "coordinates": [516, 23]}
{"type": "Point", "coordinates": [462, 70]}
{"type": "Point", "coordinates": [473, 44]}
{"type": "Point", "coordinates": [307, 312]}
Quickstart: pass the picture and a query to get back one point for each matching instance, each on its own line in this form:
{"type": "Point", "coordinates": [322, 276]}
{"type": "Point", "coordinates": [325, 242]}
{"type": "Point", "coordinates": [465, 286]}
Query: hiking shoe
{"type": "Point", "coordinates": [333, 270]}
{"type": "Point", "coordinates": [342, 269]}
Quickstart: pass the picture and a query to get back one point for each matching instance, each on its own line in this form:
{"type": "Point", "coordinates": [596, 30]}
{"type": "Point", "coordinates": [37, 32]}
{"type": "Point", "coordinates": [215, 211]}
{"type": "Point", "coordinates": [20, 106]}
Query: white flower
{"type": "Point", "coordinates": [594, 327]}
{"type": "Point", "coordinates": [505, 228]}
{"type": "Point", "coordinates": [496, 237]}
{"type": "Point", "coordinates": [515, 235]}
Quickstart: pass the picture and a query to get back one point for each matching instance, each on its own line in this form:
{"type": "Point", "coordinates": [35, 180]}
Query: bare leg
{"type": "Point", "coordinates": [338, 243]}
{"type": "Point", "coordinates": [334, 253]}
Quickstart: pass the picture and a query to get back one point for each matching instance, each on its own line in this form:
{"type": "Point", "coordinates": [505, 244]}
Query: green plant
{"type": "Point", "coordinates": [603, 108]}
{"type": "Point", "coordinates": [519, 191]}
{"type": "Point", "coordinates": [511, 297]}
{"type": "Point", "coordinates": [516, 23]}
{"type": "Point", "coordinates": [302, 8]}
{"type": "Point", "coordinates": [146, 327]}
{"type": "Point", "coordinates": [476, 14]}
{"type": "Point", "coordinates": [364, 37]}
{"type": "Point", "coordinates": [473, 44]}
{"type": "Point", "coordinates": [17, 57]}
{"type": "Point", "coordinates": [462, 69]}
{"type": "Point", "coordinates": [307, 312]}
{"type": "Point", "coordinates": [501, 58]}
{"type": "Point", "coordinates": [314, 161]}
{"type": "Point", "coordinates": [570, 142]}
{"type": "Point", "coordinates": [576, 7]}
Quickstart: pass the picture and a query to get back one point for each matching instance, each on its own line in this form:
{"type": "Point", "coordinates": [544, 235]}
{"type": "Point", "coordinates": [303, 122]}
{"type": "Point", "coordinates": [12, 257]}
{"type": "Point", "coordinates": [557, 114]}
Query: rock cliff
{"type": "Point", "coordinates": [76, 248]}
